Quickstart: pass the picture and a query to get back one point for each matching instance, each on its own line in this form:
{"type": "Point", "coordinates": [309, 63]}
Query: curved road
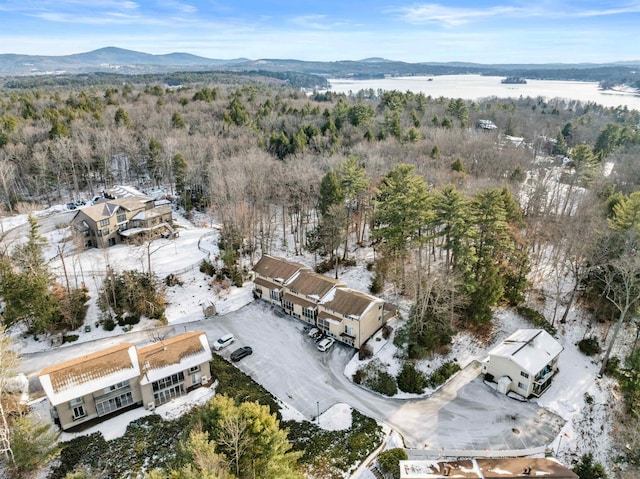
{"type": "Point", "coordinates": [463, 415]}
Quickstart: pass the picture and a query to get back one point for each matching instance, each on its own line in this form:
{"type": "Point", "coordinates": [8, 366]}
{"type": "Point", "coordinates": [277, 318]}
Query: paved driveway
{"type": "Point", "coordinates": [465, 414]}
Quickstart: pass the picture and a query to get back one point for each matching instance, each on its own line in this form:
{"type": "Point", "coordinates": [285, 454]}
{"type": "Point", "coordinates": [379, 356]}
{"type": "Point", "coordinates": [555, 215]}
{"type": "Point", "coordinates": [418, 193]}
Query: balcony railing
{"type": "Point", "coordinates": [112, 394]}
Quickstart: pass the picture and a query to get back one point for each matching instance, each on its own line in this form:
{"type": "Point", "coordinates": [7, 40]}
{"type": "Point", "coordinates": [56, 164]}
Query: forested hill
{"type": "Point", "coordinates": [128, 62]}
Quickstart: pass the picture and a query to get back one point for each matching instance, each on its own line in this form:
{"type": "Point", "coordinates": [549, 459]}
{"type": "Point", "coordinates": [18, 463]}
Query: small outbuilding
{"type": "Point", "coordinates": [524, 363]}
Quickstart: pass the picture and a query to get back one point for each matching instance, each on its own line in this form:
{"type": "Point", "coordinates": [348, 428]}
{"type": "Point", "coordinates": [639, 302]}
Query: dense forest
{"type": "Point", "coordinates": [458, 215]}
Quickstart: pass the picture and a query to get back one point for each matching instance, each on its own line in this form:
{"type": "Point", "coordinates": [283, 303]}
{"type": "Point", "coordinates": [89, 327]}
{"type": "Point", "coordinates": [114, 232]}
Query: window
{"type": "Point", "coordinates": [309, 313]}
{"type": "Point", "coordinates": [113, 387]}
{"type": "Point", "coordinates": [105, 232]}
{"type": "Point", "coordinates": [522, 386]}
{"type": "Point", "coordinates": [168, 394]}
{"type": "Point", "coordinates": [114, 403]}
{"type": "Point", "coordinates": [194, 369]}
{"type": "Point", "coordinates": [121, 217]}
{"type": "Point", "coordinates": [524, 375]}
{"type": "Point", "coordinates": [104, 222]}
{"type": "Point", "coordinates": [348, 330]}
{"type": "Point", "coordinates": [79, 412]}
{"type": "Point", "coordinates": [286, 304]}
{"type": "Point", "coordinates": [168, 381]}
{"type": "Point", "coordinates": [274, 295]}
{"type": "Point", "coordinates": [323, 324]}
{"type": "Point", "coordinates": [77, 406]}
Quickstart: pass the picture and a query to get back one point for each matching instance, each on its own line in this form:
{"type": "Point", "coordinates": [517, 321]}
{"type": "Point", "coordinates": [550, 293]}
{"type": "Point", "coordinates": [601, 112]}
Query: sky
{"type": "Point", "coordinates": [483, 31]}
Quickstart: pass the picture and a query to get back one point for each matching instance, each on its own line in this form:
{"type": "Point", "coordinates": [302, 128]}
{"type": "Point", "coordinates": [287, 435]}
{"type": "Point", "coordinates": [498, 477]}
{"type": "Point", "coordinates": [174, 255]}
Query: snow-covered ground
{"type": "Point", "coordinates": [589, 422]}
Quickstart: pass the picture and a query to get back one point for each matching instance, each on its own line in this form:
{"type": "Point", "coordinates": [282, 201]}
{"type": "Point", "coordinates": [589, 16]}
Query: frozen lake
{"type": "Point", "coordinates": [473, 87]}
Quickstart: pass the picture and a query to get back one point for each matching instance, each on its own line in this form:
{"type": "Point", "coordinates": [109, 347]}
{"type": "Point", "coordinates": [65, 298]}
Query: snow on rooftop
{"type": "Point", "coordinates": [79, 389]}
{"type": "Point", "coordinates": [329, 296]}
{"type": "Point", "coordinates": [87, 383]}
{"type": "Point", "coordinates": [150, 375]}
{"type": "Point", "coordinates": [531, 349]}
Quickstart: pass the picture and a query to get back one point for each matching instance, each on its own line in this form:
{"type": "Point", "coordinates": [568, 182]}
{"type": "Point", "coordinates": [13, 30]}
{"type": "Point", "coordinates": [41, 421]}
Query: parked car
{"type": "Point", "coordinates": [325, 344]}
{"type": "Point", "coordinates": [240, 353]}
{"type": "Point", "coordinates": [314, 333]}
{"type": "Point", "coordinates": [223, 341]}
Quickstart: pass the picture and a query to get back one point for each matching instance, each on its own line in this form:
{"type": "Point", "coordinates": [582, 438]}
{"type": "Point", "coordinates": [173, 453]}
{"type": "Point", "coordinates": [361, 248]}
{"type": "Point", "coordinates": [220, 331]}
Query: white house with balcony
{"type": "Point", "coordinates": [524, 363]}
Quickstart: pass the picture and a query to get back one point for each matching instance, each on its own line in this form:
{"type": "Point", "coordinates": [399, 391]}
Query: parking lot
{"type": "Point", "coordinates": [465, 414]}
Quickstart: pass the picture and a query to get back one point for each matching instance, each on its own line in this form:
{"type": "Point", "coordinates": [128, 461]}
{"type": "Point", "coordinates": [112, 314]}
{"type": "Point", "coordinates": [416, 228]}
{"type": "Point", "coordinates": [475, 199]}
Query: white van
{"type": "Point", "coordinates": [223, 342]}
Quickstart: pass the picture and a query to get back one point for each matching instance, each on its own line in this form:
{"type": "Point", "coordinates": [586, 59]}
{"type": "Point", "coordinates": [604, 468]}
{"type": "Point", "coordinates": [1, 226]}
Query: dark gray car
{"type": "Point", "coordinates": [240, 353]}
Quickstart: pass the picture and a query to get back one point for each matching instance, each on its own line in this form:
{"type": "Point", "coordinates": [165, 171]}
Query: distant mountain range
{"type": "Point", "coordinates": [118, 60]}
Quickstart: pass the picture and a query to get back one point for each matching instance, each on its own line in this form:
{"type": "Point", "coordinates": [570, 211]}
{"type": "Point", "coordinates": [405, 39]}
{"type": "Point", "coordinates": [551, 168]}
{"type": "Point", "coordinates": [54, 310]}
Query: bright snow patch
{"type": "Point", "coordinates": [336, 418]}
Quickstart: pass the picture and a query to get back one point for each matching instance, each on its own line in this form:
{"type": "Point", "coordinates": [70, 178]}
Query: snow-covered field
{"type": "Point", "coordinates": [589, 423]}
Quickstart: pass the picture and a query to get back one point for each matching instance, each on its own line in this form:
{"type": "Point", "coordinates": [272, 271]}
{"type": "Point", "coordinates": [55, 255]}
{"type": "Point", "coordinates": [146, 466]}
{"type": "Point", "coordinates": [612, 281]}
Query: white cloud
{"type": "Point", "coordinates": [316, 22]}
{"type": "Point", "coordinates": [453, 16]}
{"type": "Point", "coordinates": [435, 13]}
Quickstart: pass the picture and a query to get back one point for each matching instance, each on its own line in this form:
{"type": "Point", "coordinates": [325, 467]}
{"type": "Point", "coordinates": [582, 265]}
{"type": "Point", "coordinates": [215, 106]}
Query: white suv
{"type": "Point", "coordinates": [223, 342]}
{"type": "Point", "coordinates": [325, 344]}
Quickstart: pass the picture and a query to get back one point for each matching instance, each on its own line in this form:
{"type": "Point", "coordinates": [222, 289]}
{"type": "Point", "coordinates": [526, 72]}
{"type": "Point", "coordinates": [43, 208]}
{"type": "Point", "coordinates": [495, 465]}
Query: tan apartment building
{"type": "Point", "coordinates": [117, 378]}
{"type": "Point", "coordinates": [270, 275]}
{"type": "Point", "coordinates": [347, 315]}
{"type": "Point", "coordinates": [304, 292]}
{"type": "Point", "coordinates": [351, 316]}
{"type": "Point", "coordinates": [173, 367]}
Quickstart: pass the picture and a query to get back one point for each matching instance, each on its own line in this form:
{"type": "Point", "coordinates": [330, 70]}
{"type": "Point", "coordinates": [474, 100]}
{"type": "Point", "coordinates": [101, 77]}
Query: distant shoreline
{"type": "Point", "coordinates": [475, 87]}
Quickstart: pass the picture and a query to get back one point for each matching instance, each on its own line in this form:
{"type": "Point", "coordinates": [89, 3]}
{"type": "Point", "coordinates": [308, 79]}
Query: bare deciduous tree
{"type": "Point", "coordinates": [621, 279]}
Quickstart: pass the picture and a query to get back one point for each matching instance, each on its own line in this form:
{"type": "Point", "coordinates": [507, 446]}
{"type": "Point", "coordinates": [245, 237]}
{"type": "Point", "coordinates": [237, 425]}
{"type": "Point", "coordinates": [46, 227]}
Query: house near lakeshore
{"type": "Point", "coordinates": [347, 315]}
{"type": "Point", "coordinates": [121, 214]}
{"type": "Point", "coordinates": [524, 363]}
{"type": "Point", "coordinates": [115, 379]}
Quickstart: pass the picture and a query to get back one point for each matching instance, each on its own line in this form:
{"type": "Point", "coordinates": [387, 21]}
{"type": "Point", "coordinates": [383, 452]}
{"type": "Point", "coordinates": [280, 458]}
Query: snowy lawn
{"type": "Point", "coordinates": [577, 395]}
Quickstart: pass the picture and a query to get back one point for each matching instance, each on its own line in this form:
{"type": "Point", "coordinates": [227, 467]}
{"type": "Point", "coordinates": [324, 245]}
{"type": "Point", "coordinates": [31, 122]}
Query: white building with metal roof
{"type": "Point", "coordinates": [524, 363]}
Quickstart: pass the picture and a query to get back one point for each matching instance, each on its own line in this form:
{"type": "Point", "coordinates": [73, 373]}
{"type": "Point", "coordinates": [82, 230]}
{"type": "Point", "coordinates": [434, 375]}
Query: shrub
{"type": "Point", "coordinates": [401, 337]}
{"type": "Point", "coordinates": [589, 346]}
{"type": "Point", "coordinates": [536, 318]}
{"type": "Point", "coordinates": [588, 469]}
{"type": "Point", "coordinates": [326, 451]}
{"type": "Point", "coordinates": [69, 338]}
{"type": "Point", "coordinates": [613, 367]}
{"type": "Point", "coordinates": [386, 331]}
{"type": "Point", "coordinates": [348, 262]}
{"type": "Point", "coordinates": [109, 324]}
{"type": "Point", "coordinates": [325, 266]}
{"type": "Point", "coordinates": [132, 293]}
{"type": "Point", "coordinates": [358, 376]}
{"type": "Point", "coordinates": [377, 283]}
{"type": "Point", "coordinates": [389, 461]}
{"type": "Point", "coordinates": [384, 383]}
{"type": "Point", "coordinates": [443, 373]}
{"type": "Point", "coordinates": [365, 352]}
{"type": "Point", "coordinates": [207, 267]}
{"type": "Point", "coordinates": [174, 280]}
{"type": "Point", "coordinates": [410, 380]}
